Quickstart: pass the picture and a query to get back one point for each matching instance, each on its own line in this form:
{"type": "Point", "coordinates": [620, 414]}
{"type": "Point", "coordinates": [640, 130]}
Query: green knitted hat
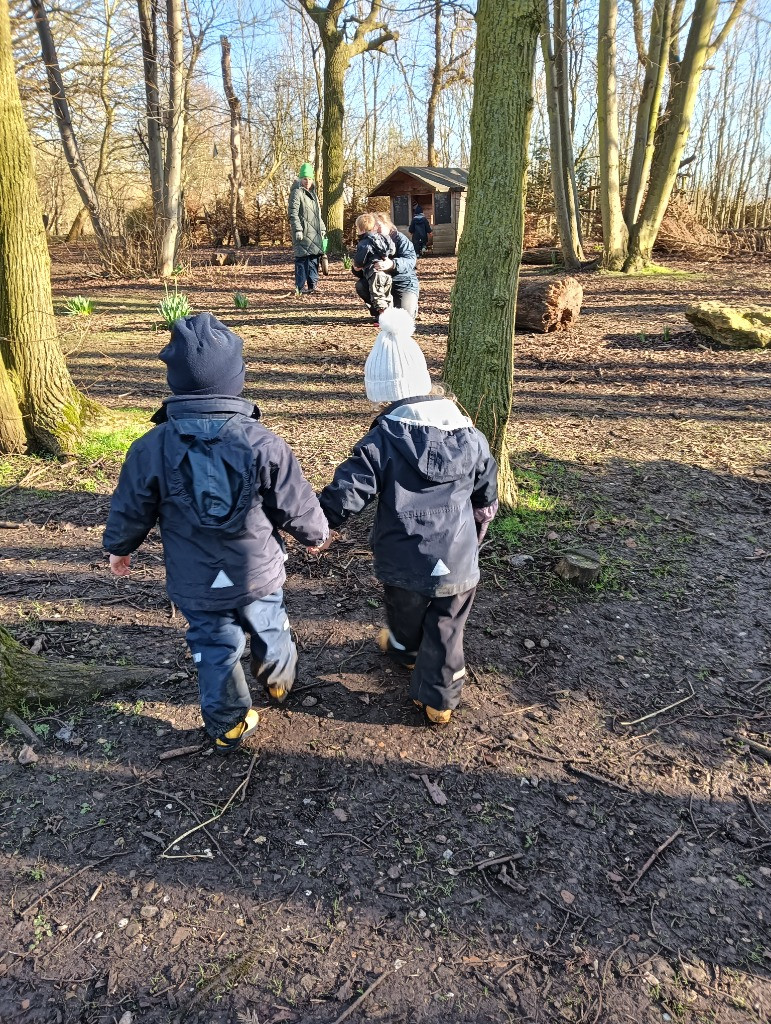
{"type": "Point", "coordinates": [306, 171]}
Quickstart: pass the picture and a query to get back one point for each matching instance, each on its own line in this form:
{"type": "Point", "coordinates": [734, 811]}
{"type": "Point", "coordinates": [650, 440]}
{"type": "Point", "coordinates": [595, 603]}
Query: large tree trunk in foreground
{"type": "Point", "coordinates": [30, 679]}
{"type": "Point", "coordinates": [51, 408]}
{"type": "Point", "coordinates": [480, 348]}
{"type": "Point", "coordinates": [548, 304]}
{"type": "Point", "coordinates": [614, 232]}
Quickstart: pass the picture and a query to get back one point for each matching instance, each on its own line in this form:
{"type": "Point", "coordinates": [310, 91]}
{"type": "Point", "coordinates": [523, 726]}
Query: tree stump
{"type": "Point", "coordinates": [578, 567]}
{"type": "Point", "coordinates": [548, 304]}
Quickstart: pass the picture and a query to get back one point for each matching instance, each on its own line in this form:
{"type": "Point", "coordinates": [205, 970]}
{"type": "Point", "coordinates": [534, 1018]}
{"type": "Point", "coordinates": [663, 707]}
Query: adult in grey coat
{"type": "Point", "coordinates": [308, 230]}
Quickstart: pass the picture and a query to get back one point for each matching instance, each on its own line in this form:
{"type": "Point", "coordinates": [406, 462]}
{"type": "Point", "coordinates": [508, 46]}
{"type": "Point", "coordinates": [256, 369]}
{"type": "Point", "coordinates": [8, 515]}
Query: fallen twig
{"type": "Point", "coordinates": [367, 992]}
{"type": "Point", "coordinates": [651, 860]}
{"type": "Point", "coordinates": [754, 813]}
{"type": "Point", "coordinates": [755, 747]}
{"type": "Point", "coordinates": [585, 773]}
{"type": "Point", "coordinates": [661, 711]}
{"type": "Point", "coordinates": [54, 888]}
{"type": "Point", "coordinates": [489, 862]}
{"type": "Point", "coordinates": [240, 789]}
{"type": "Point", "coordinates": [168, 755]}
{"type": "Point", "coordinates": [21, 727]}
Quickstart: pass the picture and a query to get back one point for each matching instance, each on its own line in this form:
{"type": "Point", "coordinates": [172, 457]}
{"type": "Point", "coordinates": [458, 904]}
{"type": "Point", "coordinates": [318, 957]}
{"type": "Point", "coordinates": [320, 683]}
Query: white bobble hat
{"type": "Point", "coordinates": [396, 367]}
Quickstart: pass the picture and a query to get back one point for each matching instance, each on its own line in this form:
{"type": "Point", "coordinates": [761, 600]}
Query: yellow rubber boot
{"type": "Point", "coordinates": [234, 737]}
{"type": "Point", "coordinates": [434, 716]}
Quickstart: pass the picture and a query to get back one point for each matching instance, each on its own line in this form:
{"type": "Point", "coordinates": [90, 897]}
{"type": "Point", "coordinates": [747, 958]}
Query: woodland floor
{"type": "Point", "coordinates": [595, 726]}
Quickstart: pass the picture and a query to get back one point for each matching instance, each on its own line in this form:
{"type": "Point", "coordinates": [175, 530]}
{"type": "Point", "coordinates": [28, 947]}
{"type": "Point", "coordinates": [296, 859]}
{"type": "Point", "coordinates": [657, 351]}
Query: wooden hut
{"type": "Point", "coordinates": [441, 191]}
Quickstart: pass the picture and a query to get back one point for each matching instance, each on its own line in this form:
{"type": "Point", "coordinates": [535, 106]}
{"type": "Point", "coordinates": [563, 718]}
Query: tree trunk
{"type": "Point", "coordinates": [558, 177]}
{"type": "Point", "coordinates": [61, 107]}
{"type": "Point", "coordinates": [336, 65]}
{"type": "Point", "coordinates": [51, 408]}
{"type": "Point", "coordinates": [648, 110]}
{"type": "Point", "coordinates": [547, 304]}
{"type": "Point", "coordinates": [175, 138]}
{"type": "Point", "coordinates": [148, 26]}
{"type": "Point", "coordinates": [338, 54]}
{"type": "Point", "coordinates": [12, 437]}
{"type": "Point", "coordinates": [614, 232]}
{"type": "Point", "coordinates": [29, 679]}
{"type": "Point", "coordinates": [236, 175]}
{"type": "Point", "coordinates": [76, 229]}
{"type": "Point", "coordinates": [436, 87]}
{"type": "Point", "coordinates": [480, 348]}
{"type": "Point", "coordinates": [562, 84]}
{"type": "Point", "coordinates": [673, 136]}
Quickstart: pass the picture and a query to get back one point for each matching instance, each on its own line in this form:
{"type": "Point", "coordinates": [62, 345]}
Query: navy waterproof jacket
{"type": "Point", "coordinates": [220, 486]}
{"type": "Point", "coordinates": [430, 468]}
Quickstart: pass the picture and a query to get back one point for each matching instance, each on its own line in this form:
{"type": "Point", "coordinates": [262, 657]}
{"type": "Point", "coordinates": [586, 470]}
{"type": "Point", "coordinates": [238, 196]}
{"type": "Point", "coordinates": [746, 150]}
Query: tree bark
{"type": "Point", "coordinates": [29, 679]}
{"type": "Point", "coordinates": [236, 174]}
{"type": "Point", "coordinates": [558, 178]}
{"type": "Point", "coordinates": [77, 226]}
{"type": "Point", "coordinates": [614, 232]}
{"type": "Point", "coordinates": [61, 107]}
{"type": "Point", "coordinates": [148, 25]}
{"type": "Point", "coordinates": [655, 61]}
{"type": "Point", "coordinates": [175, 138]}
{"type": "Point", "coordinates": [436, 87]}
{"type": "Point", "coordinates": [480, 349]}
{"type": "Point", "coordinates": [562, 88]}
{"type": "Point", "coordinates": [338, 54]}
{"type": "Point", "coordinates": [674, 132]}
{"type": "Point", "coordinates": [51, 408]}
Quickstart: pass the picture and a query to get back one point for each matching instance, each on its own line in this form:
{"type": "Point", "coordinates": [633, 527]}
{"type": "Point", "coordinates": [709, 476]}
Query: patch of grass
{"type": "Point", "coordinates": [240, 301]}
{"type": "Point", "coordinates": [79, 305]}
{"type": "Point", "coordinates": [173, 306]}
{"type": "Point", "coordinates": [109, 436]}
{"type": "Point", "coordinates": [653, 270]}
{"type": "Point", "coordinates": [535, 506]}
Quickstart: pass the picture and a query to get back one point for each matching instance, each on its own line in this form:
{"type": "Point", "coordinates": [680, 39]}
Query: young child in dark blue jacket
{"type": "Point", "coordinates": [435, 480]}
{"type": "Point", "coordinates": [221, 487]}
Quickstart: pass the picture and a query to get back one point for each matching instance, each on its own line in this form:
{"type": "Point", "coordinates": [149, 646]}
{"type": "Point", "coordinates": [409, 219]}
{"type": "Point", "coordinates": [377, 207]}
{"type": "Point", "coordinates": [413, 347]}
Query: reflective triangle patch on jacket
{"type": "Point", "coordinates": [440, 569]}
{"type": "Point", "coordinates": [222, 580]}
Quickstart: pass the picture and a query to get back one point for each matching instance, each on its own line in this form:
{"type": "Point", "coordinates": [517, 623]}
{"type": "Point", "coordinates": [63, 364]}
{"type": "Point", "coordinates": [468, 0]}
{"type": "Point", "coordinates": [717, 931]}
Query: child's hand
{"type": "Point", "coordinates": [324, 545]}
{"type": "Point", "coordinates": [120, 565]}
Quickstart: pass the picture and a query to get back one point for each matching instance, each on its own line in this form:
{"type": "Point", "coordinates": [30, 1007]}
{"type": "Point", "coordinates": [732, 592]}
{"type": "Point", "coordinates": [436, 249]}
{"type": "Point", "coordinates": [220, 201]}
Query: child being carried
{"type": "Point", "coordinates": [371, 250]}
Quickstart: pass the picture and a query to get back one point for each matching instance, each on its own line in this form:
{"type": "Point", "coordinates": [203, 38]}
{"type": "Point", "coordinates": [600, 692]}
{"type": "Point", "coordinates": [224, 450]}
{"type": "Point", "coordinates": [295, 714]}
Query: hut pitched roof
{"type": "Point", "coordinates": [440, 179]}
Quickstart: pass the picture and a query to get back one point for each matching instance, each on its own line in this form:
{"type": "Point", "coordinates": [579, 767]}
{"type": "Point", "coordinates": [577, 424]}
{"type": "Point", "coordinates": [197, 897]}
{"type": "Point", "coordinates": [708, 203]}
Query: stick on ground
{"type": "Point", "coordinates": [651, 860]}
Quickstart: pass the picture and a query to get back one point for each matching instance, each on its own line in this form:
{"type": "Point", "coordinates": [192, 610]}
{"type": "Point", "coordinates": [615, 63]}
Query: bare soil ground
{"type": "Point", "coordinates": [598, 849]}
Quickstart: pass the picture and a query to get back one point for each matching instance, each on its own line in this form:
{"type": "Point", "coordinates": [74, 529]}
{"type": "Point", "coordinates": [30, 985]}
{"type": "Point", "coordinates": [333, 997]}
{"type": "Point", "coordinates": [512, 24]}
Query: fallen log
{"type": "Point", "coordinates": [548, 304]}
{"type": "Point", "coordinates": [732, 326]}
{"type": "Point", "coordinates": [545, 256]}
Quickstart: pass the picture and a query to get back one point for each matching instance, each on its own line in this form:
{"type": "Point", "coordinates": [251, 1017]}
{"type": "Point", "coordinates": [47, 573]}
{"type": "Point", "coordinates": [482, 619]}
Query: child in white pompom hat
{"type": "Point", "coordinates": [435, 481]}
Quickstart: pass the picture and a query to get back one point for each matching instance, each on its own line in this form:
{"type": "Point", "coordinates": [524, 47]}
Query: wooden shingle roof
{"type": "Point", "coordinates": [439, 179]}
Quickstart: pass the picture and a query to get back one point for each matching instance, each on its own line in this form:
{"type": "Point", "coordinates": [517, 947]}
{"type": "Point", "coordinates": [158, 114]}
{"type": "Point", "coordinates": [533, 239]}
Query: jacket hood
{"type": "Point", "coordinates": [212, 466]}
{"type": "Point", "coordinates": [434, 436]}
{"type": "Point", "coordinates": [177, 406]}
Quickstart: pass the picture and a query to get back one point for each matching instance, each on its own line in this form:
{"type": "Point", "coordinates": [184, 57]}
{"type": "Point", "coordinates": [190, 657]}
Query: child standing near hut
{"type": "Point", "coordinates": [420, 230]}
{"type": "Point", "coordinates": [435, 479]}
{"type": "Point", "coordinates": [372, 248]}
